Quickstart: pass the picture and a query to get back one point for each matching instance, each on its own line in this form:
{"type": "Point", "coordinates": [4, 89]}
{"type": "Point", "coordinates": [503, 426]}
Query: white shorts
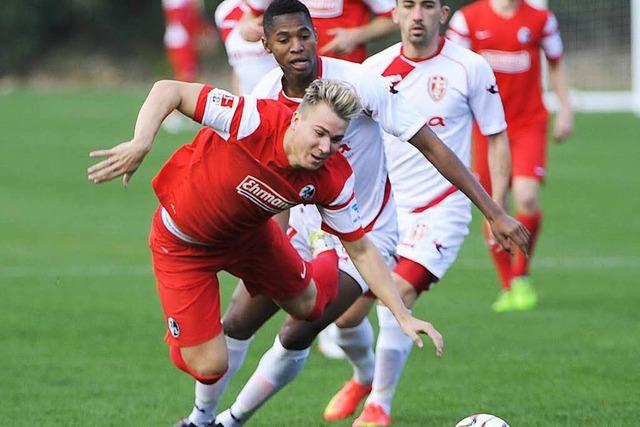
{"type": "Point", "coordinates": [432, 238]}
{"type": "Point", "coordinates": [304, 220]}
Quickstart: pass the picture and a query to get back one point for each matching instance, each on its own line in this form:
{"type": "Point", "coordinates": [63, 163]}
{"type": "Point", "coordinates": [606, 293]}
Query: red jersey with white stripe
{"type": "Point", "coordinates": [512, 48]}
{"type": "Point", "coordinates": [330, 14]}
{"type": "Point", "coordinates": [249, 60]}
{"type": "Point", "coordinates": [362, 144]}
{"type": "Point", "coordinates": [451, 88]}
{"type": "Point", "coordinates": [235, 174]}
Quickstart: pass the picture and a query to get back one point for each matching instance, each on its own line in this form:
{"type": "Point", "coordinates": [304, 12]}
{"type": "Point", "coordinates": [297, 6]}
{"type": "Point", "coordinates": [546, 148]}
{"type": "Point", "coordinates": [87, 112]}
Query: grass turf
{"type": "Point", "coordinates": [82, 328]}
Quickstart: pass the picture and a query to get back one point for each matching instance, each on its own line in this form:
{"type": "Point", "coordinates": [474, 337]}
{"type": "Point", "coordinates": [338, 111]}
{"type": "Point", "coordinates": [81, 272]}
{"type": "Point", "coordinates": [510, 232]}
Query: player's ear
{"type": "Point", "coordinates": [446, 10]}
{"type": "Point", "coordinates": [295, 119]}
{"type": "Point", "coordinates": [394, 15]}
{"type": "Point", "coordinates": [265, 44]}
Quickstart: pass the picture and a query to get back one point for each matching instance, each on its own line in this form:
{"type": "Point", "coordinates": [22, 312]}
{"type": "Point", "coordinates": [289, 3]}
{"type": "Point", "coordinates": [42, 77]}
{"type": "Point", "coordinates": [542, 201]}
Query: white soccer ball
{"type": "Point", "coordinates": [482, 420]}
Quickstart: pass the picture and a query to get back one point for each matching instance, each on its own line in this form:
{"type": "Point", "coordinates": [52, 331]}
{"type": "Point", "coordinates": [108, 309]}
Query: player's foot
{"type": "Point", "coordinates": [321, 241]}
{"type": "Point", "coordinates": [346, 401]}
{"type": "Point", "coordinates": [504, 302]}
{"type": "Point", "coordinates": [327, 344]}
{"type": "Point", "coordinates": [372, 416]}
{"type": "Point", "coordinates": [524, 295]}
{"type": "Point", "coordinates": [227, 419]}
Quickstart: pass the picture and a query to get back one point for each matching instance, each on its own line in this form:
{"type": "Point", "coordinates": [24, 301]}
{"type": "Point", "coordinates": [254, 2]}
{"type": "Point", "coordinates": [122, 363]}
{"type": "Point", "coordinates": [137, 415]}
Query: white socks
{"type": "Point", "coordinates": [357, 344]}
{"type": "Point", "coordinates": [392, 350]}
{"type": "Point", "coordinates": [208, 395]}
{"type": "Point", "coordinates": [277, 368]}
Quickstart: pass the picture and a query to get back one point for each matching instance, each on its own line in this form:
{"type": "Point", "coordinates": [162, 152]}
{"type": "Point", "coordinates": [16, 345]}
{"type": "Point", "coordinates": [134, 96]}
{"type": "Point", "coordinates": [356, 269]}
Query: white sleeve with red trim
{"type": "Point", "coordinates": [484, 97]}
{"type": "Point", "coordinates": [258, 6]}
{"type": "Point", "coordinates": [551, 40]}
{"type": "Point", "coordinates": [458, 30]}
{"type": "Point", "coordinates": [342, 216]}
{"type": "Point", "coordinates": [380, 7]}
{"type": "Point", "coordinates": [229, 115]}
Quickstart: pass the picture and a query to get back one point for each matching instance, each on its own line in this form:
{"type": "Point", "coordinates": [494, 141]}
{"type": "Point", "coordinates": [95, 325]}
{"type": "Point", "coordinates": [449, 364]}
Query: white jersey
{"type": "Point", "coordinates": [363, 142]}
{"type": "Point", "coordinates": [249, 60]}
{"type": "Point", "coordinates": [452, 87]}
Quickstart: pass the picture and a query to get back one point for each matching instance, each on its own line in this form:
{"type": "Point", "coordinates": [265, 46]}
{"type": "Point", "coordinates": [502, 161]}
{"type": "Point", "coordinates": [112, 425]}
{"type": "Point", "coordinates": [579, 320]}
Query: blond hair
{"type": "Point", "coordinates": [338, 95]}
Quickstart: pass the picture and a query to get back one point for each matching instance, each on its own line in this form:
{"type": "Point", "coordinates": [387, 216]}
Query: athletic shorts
{"type": "Point", "coordinates": [304, 220]}
{"type": "Point", "coordinates": [528, 145]}
{"type": "Point", "coordinates": [187, 283]}
{"type": "Point", "coordinates": [433, 238]}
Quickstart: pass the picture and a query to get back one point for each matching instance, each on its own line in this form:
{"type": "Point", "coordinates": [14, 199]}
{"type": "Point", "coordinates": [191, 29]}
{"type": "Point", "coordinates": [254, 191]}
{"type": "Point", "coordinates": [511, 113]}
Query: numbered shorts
{"type": "Point", "coordinates": [433, 238]}
{"type": "Point", "coordinates": [528, 145]}
{"type": "Point", "coordinates": [383, 233]}
{"type": "Point", "coordinates": [188, 287]}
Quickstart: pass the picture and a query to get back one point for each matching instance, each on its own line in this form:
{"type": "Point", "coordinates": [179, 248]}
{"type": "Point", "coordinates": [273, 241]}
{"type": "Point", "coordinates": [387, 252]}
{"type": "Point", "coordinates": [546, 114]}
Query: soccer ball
{"type": "Point", "coordinates": [482, 420]}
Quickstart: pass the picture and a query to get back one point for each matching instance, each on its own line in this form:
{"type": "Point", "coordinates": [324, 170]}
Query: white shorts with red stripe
{"type": "Point", "coordinates": [383, 233]}
{"type": "Point", "coordinates": [433, 237]}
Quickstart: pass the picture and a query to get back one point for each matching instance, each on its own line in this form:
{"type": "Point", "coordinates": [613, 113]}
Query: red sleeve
{"type": "Point", "coordinates": [201, 105]}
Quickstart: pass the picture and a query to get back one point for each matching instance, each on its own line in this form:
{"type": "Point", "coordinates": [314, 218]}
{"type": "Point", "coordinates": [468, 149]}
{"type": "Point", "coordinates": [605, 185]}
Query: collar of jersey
{"type": "Point", "coordinates": [418, 60]}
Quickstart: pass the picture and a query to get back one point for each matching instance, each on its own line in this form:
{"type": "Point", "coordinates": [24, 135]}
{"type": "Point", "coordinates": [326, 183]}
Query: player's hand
{"type": "Point", "coordinates": [506, 231]}
{"type": "Point", "coordinates": [121, 160]}
{"type": "Point", "coordinates": [563, 125]}
{"type": "Point", "coordinates": [344, 40]}
{"type": "Point", "coordinates": [250, 28]}
{"type": "Point", "coordinates": [412, 327]}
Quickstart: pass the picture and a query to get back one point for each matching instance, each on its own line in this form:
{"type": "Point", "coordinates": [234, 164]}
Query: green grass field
{"type": "Point", "coordinates": [81, 328]}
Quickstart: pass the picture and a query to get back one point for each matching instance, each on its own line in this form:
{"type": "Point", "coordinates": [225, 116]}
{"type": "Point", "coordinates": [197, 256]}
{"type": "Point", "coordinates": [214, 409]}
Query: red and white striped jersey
{"type": "Point", "coordinates": [363, 143]}
{"type": "Point", "coordinates": [330, 14]}
{"type": "Point", "coordinates": [249, 60]}
{"type": "Point", "coordinates": [235, 174]}
{"type": "Point", "coordinates": [450, 89]}
{"type": "Point", "coordinates": [512, 48]}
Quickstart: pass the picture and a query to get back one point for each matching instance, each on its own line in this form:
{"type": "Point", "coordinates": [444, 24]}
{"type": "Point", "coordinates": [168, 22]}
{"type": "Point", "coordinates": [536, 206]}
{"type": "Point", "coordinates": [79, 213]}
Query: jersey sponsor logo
{"type": "Point", "coordinates": [355, 213]}
{"type": "Point", "coordinates": [307, 192]}
{"type": "Point", "coordinates": [524, 35]}
{"type": "Point", "coordinates": [437, 87]}
{"type": "Point", "coordinates": [324, 8]}
{"type": "Point", "coordinates": [483, 34]}
{"type": "Point", "coordinates": [507, 62]}
{"type": "Point", "coordinates": [222, 99]}
{"type": "Point", "coordinates": [262, 195]}
{"type": "Point", "coordinates": [492, 89]}
{"type": "Point", "coordinates": [439, 247]}
{"type": "Point", "coordinates": [393, 80]}
{"type": "Point", "coordinates": [174, 328]}
{"type": "Point", "coordinates": [436, 121]}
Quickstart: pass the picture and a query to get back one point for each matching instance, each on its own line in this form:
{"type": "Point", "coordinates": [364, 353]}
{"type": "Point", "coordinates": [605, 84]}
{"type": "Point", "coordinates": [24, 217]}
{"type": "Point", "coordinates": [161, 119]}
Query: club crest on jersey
{"type": "Point", "coordinates": [307, 192]}
{"type": "Point", "coordinates": [437, 87]}
{"type": "Point", "coordinates": [174, 328]}
{"type": "Point", "coordinates": [524, 35]}
{"type": "Point", "coordinates": [262, 195]}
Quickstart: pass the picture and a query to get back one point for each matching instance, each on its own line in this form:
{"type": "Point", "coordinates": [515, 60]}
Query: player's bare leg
{"type": "Point", "coordinates": [282, 363]}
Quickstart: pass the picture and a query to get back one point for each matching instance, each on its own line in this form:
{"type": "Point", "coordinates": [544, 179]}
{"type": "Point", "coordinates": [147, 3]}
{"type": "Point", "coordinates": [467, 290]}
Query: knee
{"type": "Point", "coordinates": [526, 201]}
{"type": "Point", "coordinates": [205, 366]}
{"type": "Point", "coordinates": [354, 316]}
{"type": "Point", "coordinates": [297, 338]}
{"type": "Point", "coordinates": [235, 327]}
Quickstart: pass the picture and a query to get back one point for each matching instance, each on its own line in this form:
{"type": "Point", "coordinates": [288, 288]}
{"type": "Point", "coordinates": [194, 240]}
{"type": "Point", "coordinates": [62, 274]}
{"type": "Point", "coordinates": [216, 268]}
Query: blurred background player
{"type": "Point", "coordinates": [249, 60]}
{"type": "Point", "coordinates": [184, 28]}
{"type": "Point", "coordinates": [450, 85]}
{"type": "Point", "coordinates": [509, 34]}
{"type": "Point", "coordinates": [343, 26]}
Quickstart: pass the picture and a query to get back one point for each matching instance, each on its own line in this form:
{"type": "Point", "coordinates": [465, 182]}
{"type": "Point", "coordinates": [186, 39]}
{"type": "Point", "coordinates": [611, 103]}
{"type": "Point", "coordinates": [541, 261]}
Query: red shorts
{"type": "Point", "coordinates": [187, 283]}
{"type": "Point", "coordinates": [528, 145]}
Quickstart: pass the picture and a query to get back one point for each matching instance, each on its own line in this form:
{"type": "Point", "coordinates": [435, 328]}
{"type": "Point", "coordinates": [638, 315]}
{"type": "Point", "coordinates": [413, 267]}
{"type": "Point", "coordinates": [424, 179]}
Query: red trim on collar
{"type": "Point", "coordinates": [434, 54]}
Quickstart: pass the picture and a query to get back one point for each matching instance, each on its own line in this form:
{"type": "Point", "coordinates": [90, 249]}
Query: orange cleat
{"type": "Point", "coordinates": [346, 401]}
{"type": "Point", "coordinates": [372, 416]}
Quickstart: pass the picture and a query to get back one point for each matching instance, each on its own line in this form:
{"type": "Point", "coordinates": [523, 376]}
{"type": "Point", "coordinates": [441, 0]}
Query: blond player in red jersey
{"type": "Point", "coordinates": [510, 34]}
{"type": "Point", "coordinates": [217, 195]}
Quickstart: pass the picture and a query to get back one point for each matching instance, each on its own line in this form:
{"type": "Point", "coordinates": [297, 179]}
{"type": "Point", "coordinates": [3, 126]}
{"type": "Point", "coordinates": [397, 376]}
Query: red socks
{"type": "Point", "coordinates": [532, 223]}
{"type": "Point", "coordinates": [325, 275]}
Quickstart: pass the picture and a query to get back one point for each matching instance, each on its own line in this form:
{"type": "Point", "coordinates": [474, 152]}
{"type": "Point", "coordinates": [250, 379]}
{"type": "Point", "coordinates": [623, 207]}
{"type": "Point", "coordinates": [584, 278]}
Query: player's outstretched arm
{"type": "Point", "coordinates": [124, 159]}
{"type": "Point", "coordinates": [374, 271]}
{"type": "Point", "coordinates": [345, 40]}
{"type": "Point", "coordinates": [504, 228]}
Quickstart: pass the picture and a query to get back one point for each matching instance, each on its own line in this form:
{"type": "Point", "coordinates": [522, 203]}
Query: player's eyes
{"type": "Point", "coordinates": [319, 132]}
{"type": "Point", "coordinates": [282, 41]}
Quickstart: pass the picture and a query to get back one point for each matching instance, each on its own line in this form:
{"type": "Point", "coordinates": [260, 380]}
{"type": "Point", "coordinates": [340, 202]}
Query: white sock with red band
{"type": "Point", "coordinates": [357, 344]}
{"type": "Point", "coordinates": [208, 396]}
{"type": "Point", "coordinates": [277, 368]}
{"type": "Point", "coordinates": [392, 351]}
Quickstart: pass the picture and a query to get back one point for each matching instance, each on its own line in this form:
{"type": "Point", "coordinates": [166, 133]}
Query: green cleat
{"type": "Point", "coordinates": [504, 302]}
{"type": "Point", "coordinates": [524, 296]}
{"type": "Point", "coordinates": [321, 241]}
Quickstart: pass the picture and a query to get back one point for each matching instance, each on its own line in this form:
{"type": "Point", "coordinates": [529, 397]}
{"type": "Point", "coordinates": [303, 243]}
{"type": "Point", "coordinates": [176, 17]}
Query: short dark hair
{"type": "Point", "coordinates": [283, 7]}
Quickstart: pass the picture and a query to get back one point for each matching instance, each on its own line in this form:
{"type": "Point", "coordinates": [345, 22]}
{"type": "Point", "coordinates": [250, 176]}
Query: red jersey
{"type": "Point", "coordinates": [235, 175]}
{"type": "Point", "coordinates": [512, 48]}
{"type": "Point", "coordinates": [330, 14]}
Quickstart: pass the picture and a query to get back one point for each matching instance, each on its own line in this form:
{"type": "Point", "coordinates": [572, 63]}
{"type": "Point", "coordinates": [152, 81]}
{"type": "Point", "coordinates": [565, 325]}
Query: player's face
{"type": "Point", "coordinates": [317, 134]}
{"type": "Point", "coordinates": [292, 40]}
{"type": "Point", "coordinates": [420, 20]}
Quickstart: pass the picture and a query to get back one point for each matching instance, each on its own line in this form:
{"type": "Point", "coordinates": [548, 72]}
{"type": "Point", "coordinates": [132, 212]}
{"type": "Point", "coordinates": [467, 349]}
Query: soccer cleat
{"type": "Point", "coordinates": [346, 401]}
{"type": "Point", "coordinates": [524, 296]}
{"type": "Point", "coordinates": [327, 344]}
{"type": "Point", "coordinates": [504, 302]}
{"type": "Point", "coordinates": [185, 422]}
{"type": "Point", "coordinates": [372, 416]}
{"type": "Point", "coordinates": [227, 419]}
{"type": "Point", "coordinates": [321, 241]}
